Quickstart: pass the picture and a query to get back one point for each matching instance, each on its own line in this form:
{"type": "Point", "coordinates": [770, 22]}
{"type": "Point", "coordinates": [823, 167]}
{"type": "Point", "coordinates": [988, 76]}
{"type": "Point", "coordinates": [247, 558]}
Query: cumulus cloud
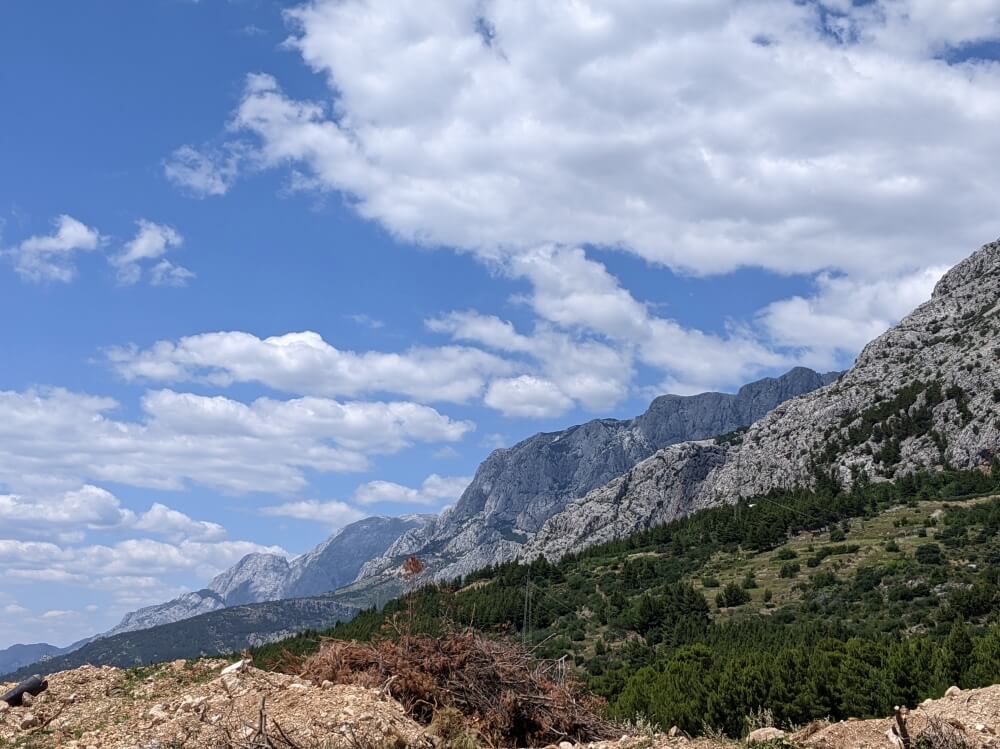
{"type": "Point", "coordinates": [66, 516]}
{"type": "Point", "coordinates": [528, 397]}
{"type": "Point", "coordinates": [648, 127]}
{"type": "Point", "coordinates": [845, 313]}
{"type": "Point", "coordinates": [88, 507]}
{"type": "Point", "coordinates": [305, 363]}
{"type": "Point", "coordinates": [52, 257]}
{"type": "Point", "coordinates": [203, 173]}
{"type": "Point", "coordinates": [584, 370]}
{"type": "Point", "coordinates": [151, 243]}
{"type": "Point", "coordinates": [706, 137]}
{"type": "Point", "coordinates": [590, 331]}
{"type": "Point", "coordinates": [52, 438]}
{"type": "Point", "coordinates": [139, 561]}
{"type": "Point", "coordinates": [175, 525]}
{"type": "Point", "coordinates": [434, 490]}
{"type": "Point", "coordinates": [334, 514]}
{"type": "Point", "coordinates": [165, 273]}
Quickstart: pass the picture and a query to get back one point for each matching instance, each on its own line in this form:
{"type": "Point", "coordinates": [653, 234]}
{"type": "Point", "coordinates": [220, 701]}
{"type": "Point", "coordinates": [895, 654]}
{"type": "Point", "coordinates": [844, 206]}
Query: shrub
{"type": "Point", "coordinates": [731, 595]}
{"type": "Point", "coordinates": [789, 570]}
{"type": "Point", "coordinates": [929, 554]}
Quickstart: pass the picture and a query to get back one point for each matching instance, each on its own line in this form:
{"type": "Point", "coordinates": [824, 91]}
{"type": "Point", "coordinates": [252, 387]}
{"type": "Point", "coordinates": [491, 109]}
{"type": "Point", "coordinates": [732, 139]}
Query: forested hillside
{"type": "Point", "coordinates": [810, 603]}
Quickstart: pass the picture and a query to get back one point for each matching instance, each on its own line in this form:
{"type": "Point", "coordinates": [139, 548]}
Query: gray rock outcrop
{"type": "Point", "coordinates": [923, 395]}
{"type": "Point", "coordinates": [516, 490]}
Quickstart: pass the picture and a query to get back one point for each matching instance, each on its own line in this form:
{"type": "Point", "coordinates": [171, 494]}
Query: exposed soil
{"type": "Point", "coordinates": [969, 718]}
{"type": "Point", "coordinates": [194, 704]}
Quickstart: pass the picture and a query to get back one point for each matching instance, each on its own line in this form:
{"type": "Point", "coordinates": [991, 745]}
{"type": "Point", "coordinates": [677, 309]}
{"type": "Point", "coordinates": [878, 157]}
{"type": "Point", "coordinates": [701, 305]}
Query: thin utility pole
{"type": "Point", "coordinates": [526, 624]}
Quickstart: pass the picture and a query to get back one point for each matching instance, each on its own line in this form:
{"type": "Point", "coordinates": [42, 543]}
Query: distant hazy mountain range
{"type": "Point", "coordinates": [269, 577]}
{"type": "Point", "coordinates": [16, 656]}
{"type": "Point", "coordinates": [225, 631]}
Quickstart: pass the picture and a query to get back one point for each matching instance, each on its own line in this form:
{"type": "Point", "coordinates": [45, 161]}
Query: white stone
{"type": "Point", "coordinates": [236, 667]}
{"type": "Point", "coordinates": [763, 735]}
{"type": "Point", "coordinates": [231, 683]}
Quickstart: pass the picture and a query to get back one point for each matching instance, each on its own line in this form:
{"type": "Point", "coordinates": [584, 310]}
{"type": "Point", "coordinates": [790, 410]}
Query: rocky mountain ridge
{"type": "Point", "coordinates": [269, 577]}
{"type": "Point", "coordinates": [924, 394]}
{"type": "Point", "coordinates": [517, 489]}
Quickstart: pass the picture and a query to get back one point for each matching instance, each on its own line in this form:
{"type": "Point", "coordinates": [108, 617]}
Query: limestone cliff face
{"type": "Point", "coordinates": [516, 490]}
{"type": "Point", "coordinates": [923, 395]}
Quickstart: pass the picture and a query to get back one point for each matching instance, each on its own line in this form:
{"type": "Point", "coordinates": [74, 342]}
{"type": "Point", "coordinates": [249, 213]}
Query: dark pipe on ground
{"type": "Point", "coordinates": [33, 686]}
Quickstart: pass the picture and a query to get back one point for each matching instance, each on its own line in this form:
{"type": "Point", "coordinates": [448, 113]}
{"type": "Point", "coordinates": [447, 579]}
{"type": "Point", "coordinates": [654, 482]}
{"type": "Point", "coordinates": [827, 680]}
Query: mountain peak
{"type": "Point", "coordinates": [979, 266]}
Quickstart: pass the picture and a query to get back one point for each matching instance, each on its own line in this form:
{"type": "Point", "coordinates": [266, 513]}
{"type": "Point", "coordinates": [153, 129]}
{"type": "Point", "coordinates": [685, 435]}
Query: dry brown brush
{"type": "Point", "coordinates": [497, 685]}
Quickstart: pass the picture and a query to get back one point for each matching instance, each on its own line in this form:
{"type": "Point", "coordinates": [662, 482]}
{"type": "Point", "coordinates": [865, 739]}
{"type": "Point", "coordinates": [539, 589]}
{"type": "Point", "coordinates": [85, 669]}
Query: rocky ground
{"type": "Point", "coordinates": [211, 704]}
{"type": "Point", "coordinates": [967, 719]}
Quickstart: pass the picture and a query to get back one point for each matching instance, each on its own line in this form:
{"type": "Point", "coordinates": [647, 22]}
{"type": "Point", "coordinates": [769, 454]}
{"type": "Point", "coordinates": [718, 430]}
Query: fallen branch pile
{"type": "Point", "coordinates": [496, 685]}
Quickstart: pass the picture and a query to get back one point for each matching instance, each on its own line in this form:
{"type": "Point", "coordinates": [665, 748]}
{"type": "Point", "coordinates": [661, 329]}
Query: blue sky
{"type": "Point", "coordinates": [269, 267]}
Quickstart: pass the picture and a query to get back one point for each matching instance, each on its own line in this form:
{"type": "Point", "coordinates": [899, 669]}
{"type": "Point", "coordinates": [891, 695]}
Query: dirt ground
{"type": "Point", "coordinates": [969, 718]}
{"type": "Point", "coordinates": [195, 704]}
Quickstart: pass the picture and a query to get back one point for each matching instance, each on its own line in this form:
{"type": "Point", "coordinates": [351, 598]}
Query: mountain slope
{"type": "Point", "coordinates": [814, 602]}
{"type": "Point", "coordinates": [268, 577]}
{"type": "Point", "coordinates": [16, 656]}
{"type": "Point", "coordinates": [925, 394]}
{"type": "Point", "coordinates": [217, 632]}
{"type": "Point", "coordinates": [517, 489]}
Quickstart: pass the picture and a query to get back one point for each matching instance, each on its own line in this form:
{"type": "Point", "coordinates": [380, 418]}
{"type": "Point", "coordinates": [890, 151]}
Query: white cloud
{"type": "Point", "coordinates": [367, 321]}
{"type": "Point", "coordinates": [661, 128]}
{"type": "Point", "coordinates": [594, 373]}
{"type": "Point", "coordinates": [52, 257]}
{"type": "Point", "coordinates": [65, 516]}
{"type": "Point", "coordinates": [333, 514]}
{"type": "Point", "coordinates": [528, 397]}
{"type": "Point", "coordinates": [151, 242]}
{"type": "Point", "coordinates": [164, 521]}
{"type": "Point", "coordinates": [305, 363]}
{"type": "Point", "coordinates": [88, 507]}
{"type": "Point", "coordinates": [165, 273]}
{"type": "Point", "coordinates": [844, 314]}
{"type": "Point", "coordinates": [203, 173]}
{"type": "Point", "coordinates": [434, 490]}
{"type": "Point", "coordinates": [592, 328]}
{"type": "Point", "coordinates": [669, 130]}
{"type": "Point", "coordinates": [53, 438]}
{"type": "Point", "coordinates": [114, 568]}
